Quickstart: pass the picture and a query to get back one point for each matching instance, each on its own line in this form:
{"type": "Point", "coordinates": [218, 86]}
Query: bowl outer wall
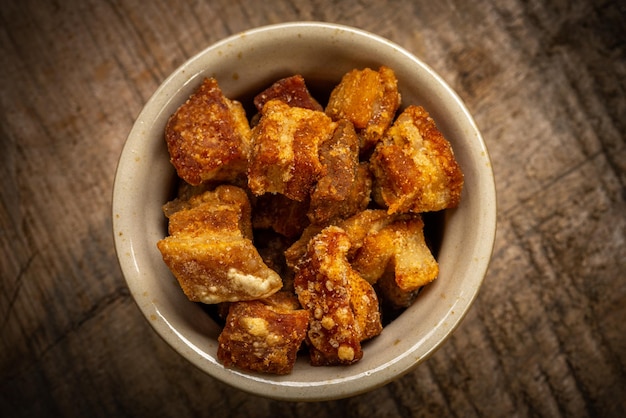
{"type": "Point", "coordinates": [248, 62]}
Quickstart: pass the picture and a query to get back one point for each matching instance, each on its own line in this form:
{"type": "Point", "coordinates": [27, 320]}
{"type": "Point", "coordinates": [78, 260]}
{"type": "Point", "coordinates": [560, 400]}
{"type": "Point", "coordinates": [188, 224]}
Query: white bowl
{"type": "Point", "coordinates": [244, 64]}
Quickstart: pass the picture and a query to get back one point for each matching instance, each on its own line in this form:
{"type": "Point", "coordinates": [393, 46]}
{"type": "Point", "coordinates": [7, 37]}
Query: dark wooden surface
{"type": "Point", "coordinates": [546, 82]}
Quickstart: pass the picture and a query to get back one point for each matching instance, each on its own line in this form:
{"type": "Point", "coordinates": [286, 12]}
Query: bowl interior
{"type": "Point", "coordinates": [243, 65]}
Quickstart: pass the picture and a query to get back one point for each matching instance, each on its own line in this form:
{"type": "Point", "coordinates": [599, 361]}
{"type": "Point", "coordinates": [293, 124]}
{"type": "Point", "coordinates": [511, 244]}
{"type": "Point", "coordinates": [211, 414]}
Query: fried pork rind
{"type": "Point", "coordinates": [387, 250]}
{"type": "Point", "coordinates": [344, 307]}
{"type": "Point", "coordinates": [414, 166]}
{"type": "Point", "coordinates": [225, 209]}
{"type": "Point", "coordinates": [263, 335]}
{"type": "Point", "coordinates": [210, 252]}
{"type": "Point", "coordinates": [367, 98]}
{"type": "Point", "coordinates": [397, 258]}
{"type": "Point", "coordinates": [290, 90]}
{"type": "Point", "coordinates": [208, 137]}
{"type": "Point", "coordinates": [356, 227]}
{"type": "Point", "coordinates": [345, 185]}
{"type": "Point", "coordinates": [284, 157]}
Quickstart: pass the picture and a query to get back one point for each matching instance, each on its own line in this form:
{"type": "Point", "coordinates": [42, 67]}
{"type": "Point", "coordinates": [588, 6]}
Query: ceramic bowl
{"type": "Point", "coordinates": [244, 64]}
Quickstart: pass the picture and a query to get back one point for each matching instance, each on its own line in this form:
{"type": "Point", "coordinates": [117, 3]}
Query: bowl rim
{"type": "Point", "coordinates": [266, 385]}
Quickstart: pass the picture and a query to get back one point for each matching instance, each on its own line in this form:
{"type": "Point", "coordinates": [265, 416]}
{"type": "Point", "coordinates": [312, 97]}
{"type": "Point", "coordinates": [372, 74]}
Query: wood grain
{"type": "Point", "coordinates": [545, 82]}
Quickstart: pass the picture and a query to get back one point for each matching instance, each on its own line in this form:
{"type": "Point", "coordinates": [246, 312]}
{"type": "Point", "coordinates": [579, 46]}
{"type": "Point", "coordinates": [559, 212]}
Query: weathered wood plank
{"type": "Point", "coordinates": [546, 84]}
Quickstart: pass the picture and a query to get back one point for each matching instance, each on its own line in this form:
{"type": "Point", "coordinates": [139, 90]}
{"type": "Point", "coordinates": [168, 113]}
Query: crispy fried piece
{"type": "Point", "coordinates": [399, 251]}
{"type": "Point", "coordinates": [327, 211]}
{"type": "Point", "coordinates": [383, 244]}
{"type": "Point", "coordinates": [263, 335]}
{"type": "Point", "coordinates": [213, 269]}
{"type": "Point", "coordinates": [375, 253]}
{"type": "Point", "coordinates": [340, 158]}
{"type": "Point", "coordinates": [345, 186]}
{"type": "Point", "coordinates": [210, 253]}
{"type": "Point", "coordinates": [283, 215]}
{"type": "Point", "coordinates": [224, 210]}
{"type": "Point", "coordinates": [343, 307]}
{"type": "Point", "coordinates": [414, 166]}
{"type": "Point", "coordinates": [389, 251]}
{"type": "Point", "coordinates": [290, 90]}
{"type": "Point", "coordinates": [284, 157]}
{"type": "Point", "coordinates": [356, 227]}
{"type": "Point", "coordinates": [413, 263]}
{"type": "Point", "coordinates": [208, 137]}
{"type": "Point", "coordinates": [367, 98]}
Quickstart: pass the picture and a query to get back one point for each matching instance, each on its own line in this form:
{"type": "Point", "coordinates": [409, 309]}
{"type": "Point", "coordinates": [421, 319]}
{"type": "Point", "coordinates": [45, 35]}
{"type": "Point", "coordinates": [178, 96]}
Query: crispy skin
{"type": "Point", "coordinates": [213, 269]}
{"type": "Point", "coordinates": [340, 158]}
{"type": "Point", "coordinates": [413, 263]}
{"type": "Point", "coordinates": [375, 253]}
{"type": "Point", "coordinates": [414, 166]}
{"type": "Point", "coordinates": [344, 307]}
{"type": "Point", "coordinates": [226, 209]}
{"type": "Point", "coordinates": [290, 90]}
{"type": "Point", "coordinates": [367, 98]}
{"type": "Point", "coordinates": [345, 186]}
{"type": "Point", "coordinates": [356, 227]}
{"type": "Point", "coordinates": [397, 254]}
{"type": "Point", "coordinates": [284, 157]}
{"type": "Point", "coordinates": [210, 253]}
{"type": "Point", "coordinates": [343, 189]}
{"type": "Point", "coordinates": [208, 137]}
{"type": "Point", "coordinates": [263, 335]}
{"type": "Point", "coordinates": [388, 250]}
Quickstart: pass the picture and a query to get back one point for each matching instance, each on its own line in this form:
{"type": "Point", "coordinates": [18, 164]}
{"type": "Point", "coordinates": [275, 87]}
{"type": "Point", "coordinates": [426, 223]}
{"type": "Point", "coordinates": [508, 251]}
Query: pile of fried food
{"type": "Point", "coordinates": [299, 222]}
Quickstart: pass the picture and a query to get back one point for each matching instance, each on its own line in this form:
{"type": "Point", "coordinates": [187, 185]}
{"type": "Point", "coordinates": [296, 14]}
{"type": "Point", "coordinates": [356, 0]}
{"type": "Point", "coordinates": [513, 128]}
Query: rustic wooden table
{"type": "Point", "coordinates": [546, 82]}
